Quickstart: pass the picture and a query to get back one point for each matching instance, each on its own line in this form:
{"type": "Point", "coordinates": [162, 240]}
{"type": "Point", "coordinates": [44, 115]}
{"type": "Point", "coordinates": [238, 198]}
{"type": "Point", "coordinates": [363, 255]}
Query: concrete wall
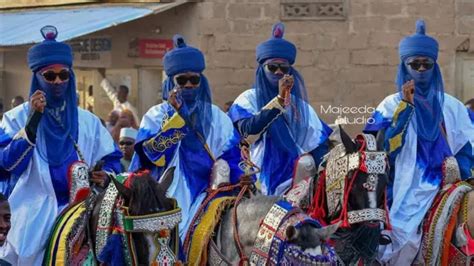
{"type": "Point", "coordinates": [344, 63]}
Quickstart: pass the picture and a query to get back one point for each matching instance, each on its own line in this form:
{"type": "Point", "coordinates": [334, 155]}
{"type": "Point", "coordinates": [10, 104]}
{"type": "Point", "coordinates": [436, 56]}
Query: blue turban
{"type": "Point", "coordinates": [183, 58]}
{"type": "Point", "coordinates": [49, 51]}
{"type": "Point", "coordinates": [418, 44]}
{"type": "Point", "coordinates": [276, 46]}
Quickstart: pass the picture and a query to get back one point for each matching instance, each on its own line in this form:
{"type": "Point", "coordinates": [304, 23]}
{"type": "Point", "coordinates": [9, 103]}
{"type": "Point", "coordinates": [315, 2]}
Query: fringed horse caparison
{"type": "Point", "coordinates": [351, 190]}
{"type": "Point", "coordinates": [447, 238]}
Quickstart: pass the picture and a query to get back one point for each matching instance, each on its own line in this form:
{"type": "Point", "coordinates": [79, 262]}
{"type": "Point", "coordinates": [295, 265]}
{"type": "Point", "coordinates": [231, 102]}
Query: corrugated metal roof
{"type": "Point", "coordinates": [20, 27]}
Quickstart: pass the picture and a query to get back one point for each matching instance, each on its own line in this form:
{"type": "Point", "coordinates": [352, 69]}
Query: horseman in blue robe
{"type": "Point", "coordinates": [39, 141]}
{"type": "Point", "coordinates": [276, 118]}
{"type": "Point", "coordinates": [424, 127]}
{"type": "Point", "coordinates": [187, 132]}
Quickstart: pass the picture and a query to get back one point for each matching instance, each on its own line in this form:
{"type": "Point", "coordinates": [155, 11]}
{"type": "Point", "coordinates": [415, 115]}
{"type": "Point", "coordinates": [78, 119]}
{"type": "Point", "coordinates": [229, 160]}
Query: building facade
{"type": "Point", "coordinates": [347, 50]}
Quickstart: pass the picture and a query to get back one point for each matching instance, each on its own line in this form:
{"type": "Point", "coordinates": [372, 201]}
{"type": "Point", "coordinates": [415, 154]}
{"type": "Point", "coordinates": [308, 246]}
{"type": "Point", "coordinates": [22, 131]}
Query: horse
{"type": "Point", "coordinates": [253, 228]}
{"type": "Point", "coordinates": [349, 188]}
{"type": "Point", "coordinates": [126, 224]}
{"type": "Point", "coordinates": [302, 241]}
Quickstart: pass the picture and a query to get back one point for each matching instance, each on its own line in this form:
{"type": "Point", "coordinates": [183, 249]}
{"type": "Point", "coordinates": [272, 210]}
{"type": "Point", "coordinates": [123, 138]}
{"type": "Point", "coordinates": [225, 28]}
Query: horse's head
{"type": "Point", "coordinates": [149, 216]}
{"type": "Point", "coordinates": [352, 189]}
{"type": "Point", "coordinates": [367, 178]}
{"type": "Point", "coordinates": [309, 238]}
{"type": "Point", "coordinates": [143, 195]}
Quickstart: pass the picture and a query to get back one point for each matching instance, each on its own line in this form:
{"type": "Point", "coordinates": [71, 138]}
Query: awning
{"type": "Point", "coordinates": [22, 26]}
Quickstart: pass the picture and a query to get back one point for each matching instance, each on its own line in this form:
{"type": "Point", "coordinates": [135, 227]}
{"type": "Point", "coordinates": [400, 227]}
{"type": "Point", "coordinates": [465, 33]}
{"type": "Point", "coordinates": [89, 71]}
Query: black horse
{"type": "Point", "coordinates": [130, 214]}
{"type": "Point", "coordinates": [350, 189]}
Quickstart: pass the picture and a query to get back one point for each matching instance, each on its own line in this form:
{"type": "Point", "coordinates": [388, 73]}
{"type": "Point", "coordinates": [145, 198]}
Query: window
{"type": "Point", "coordinates": [313, 9]}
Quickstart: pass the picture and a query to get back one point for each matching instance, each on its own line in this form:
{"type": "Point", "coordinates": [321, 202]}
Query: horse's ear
{"type": "Point", "coordinates": [380, 139]}
{"type": "Point", "coordinates": [347, 141]}
{"type": "Point", "coordinates": [167, 178]}
{"type": "Point", "coordinates": [123, 190]}
{"type": "Point", "coordinates": [327, 231]}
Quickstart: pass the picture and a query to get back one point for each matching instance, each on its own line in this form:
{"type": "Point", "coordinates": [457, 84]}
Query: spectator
{"type": "Point", "coordinates": [120, 97]}
{"type": "Point", "coordinates": [126, 119]}
{"type": "Point", "coordinates": [17, 101]}
{"type": "Point", "coordinates": [112, 119]}
{"type": "Point", "coordinates": [5, 215]}
{"type": "Point", "coordinates": [127, 140]}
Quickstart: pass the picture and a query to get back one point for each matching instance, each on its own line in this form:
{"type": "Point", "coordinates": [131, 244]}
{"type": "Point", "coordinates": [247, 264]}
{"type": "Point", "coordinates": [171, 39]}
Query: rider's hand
{"type": "Point", "coordinates": [38, 101]}
{"type": "Point", "coordinates": [285, 85]}
{"type": "Point", "coordinates": [173, 99]}
{"type": "Point", "coordinates": [100, 178]}
{"type": "Point", "coordinates": [408, 90]}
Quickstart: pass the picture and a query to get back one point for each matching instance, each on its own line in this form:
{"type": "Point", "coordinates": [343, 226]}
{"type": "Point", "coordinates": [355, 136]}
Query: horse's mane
{"type": "Point", "coordinates": [147, 196]}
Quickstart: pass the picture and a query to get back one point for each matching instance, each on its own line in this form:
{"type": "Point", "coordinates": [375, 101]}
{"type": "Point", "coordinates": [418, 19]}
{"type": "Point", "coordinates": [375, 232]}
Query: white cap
{"type": "Point", "coordinates": [128, 132]}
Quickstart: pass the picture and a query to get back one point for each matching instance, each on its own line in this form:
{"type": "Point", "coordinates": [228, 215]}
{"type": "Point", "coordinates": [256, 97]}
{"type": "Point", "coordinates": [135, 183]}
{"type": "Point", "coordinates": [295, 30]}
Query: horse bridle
{"type": "Point", "coordinates": [337, 184]}
{"type": "Point", "coordinates": [160, 226]}
{"type": "Point", "coordinates": [114, 214]}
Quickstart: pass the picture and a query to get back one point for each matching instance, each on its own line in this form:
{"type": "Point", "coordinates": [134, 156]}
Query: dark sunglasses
{"type": "Point", "coordinates": [126, 143]}
{"type": "Point", "coordinates": [272, 67]}
{"type": "Point", "coordinates": [182, 80]}
{"type": "Point", "coordinates": [416, 65]}
{"type": "Point", "coordinates": [50, 75]}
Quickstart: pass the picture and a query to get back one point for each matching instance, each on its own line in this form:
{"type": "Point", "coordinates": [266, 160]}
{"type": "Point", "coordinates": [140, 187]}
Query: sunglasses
{"type": "Point", "coordinates": [50, 75]}
{"type": "Point", "coordinates": [273, 67]}
{"type": "Point", "coordinates": [416, 65]}
{"type": "Point", "coordinates": [193, 79]}
{"type": "Point", "coordinates": [126, 143]}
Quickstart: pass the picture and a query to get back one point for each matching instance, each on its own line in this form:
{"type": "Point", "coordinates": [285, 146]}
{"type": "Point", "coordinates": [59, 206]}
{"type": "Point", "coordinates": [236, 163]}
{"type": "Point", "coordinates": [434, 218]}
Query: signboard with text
{"type": "Point", "coordinates": [153, 48]}
{"type": "Point", "coordinates": [92, 51]}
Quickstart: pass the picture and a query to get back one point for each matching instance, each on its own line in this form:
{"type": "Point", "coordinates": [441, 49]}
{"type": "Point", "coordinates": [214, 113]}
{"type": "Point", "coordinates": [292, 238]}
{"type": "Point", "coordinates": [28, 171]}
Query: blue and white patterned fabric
{"type": "Point", "coordinates": [36, 181]}
{"type": "Point", "coordinates": [282, 135]}
{"type": "Point", "coordinates": [317, 132]}
{"type": "Point", "coordinates": [418, 138]}
{"type": "Point", "coordinates": [412, 189]}
{"type": "Point", "coordinates": [163, 125]}
{"type": "Point", "coordinates": [33, 196]}
{"type": "Point", "coordinates": [190, 139]}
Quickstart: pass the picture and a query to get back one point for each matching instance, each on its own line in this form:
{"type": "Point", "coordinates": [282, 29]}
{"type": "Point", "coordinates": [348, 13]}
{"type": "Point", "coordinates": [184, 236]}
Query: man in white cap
{"type": "Point", "coordinates": [126, 142]}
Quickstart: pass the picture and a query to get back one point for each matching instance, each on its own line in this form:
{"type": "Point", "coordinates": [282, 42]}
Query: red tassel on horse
{"type": "Point", "coordinates": [317, 210]}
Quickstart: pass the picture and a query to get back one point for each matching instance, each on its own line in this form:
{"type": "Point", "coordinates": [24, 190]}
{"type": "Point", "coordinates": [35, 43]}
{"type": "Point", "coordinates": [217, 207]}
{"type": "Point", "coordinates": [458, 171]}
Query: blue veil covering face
{"type": "Point", "coordinates": [288, 132]}
{"type": "Point", "coordinates": [201, 116]}
{"type": "Point", "coordinates": [432, 146]}
{"type": "Point", "coordinates": [56, 144]}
